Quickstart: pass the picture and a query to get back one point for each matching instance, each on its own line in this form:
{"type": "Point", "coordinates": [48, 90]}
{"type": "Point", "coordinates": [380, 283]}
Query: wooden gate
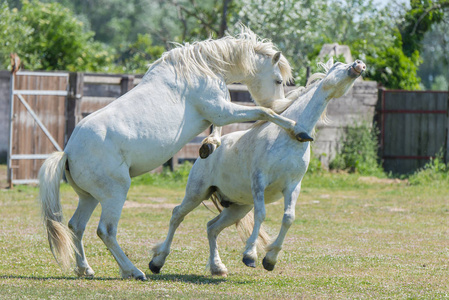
{"type": "Point", "coordinates": [413, 128]}
{"type": "Point", "coordinates": [37, 122]}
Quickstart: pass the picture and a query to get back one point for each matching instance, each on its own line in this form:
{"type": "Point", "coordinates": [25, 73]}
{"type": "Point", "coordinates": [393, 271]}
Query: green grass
{"type": "Point", "coordinates": [354, 237]}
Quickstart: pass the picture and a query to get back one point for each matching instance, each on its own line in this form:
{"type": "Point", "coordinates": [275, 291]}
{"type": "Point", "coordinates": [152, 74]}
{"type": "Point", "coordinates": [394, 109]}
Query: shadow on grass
{"type": "Point", "coordinates": [43, 278]}
{"type": "Point", "coordinates": [195, 279]}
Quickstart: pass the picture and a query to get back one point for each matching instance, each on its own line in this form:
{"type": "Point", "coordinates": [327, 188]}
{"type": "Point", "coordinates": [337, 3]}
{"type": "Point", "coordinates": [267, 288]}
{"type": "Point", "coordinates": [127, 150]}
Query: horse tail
{"type": "Point", "coordinates": [245, 226]}
{"type": "Point", "coordinates": [60, 237]}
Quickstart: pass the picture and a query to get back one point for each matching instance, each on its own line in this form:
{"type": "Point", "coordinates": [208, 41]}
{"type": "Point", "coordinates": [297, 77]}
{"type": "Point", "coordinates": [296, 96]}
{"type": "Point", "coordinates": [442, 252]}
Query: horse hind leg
{"type": "Point", "coordinates": [226, 218]}
{"type": "Point", "coordinates": [77, 224]}
{"type": "Point", "coordinates": [107, 231]}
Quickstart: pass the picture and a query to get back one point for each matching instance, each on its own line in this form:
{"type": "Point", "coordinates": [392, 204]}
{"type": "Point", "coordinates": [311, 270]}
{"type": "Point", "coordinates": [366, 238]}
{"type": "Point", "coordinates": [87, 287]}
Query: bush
{"type": "Point", "coordinates": [47, 36]}
{"type": "Point", "coordinates": [315, 165]}
{"type": "Point", "coordinates": [433, 173]}
{"type": "Point", "coordinates": [359, 152]}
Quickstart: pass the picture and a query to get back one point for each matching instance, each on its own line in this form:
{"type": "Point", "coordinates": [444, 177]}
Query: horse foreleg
{"type": "Point", "coordinates": [221, 113]}
{"type": "Point", "coordinates": [77, 224]}
{"type": "Point", "coordinates": [273, 250]}
{"type": "Point", "coordinates": [161, 251]}
{"type": "Point", "coordinates": [210, 143]}
{"type": "Point", "coordinates": [250, 253]}
{"type": "Point", "coordinates": [226, 218]}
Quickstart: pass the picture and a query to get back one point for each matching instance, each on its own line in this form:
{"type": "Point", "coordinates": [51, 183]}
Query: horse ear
{"type": "Point", "coordinates": [330, 63]}
{"type": "Point", "coordinates": [276, 58]}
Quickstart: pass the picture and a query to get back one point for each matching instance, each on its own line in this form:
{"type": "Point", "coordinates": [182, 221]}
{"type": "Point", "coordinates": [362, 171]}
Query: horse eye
{"type": "Point", "coordinates": [278, 81]}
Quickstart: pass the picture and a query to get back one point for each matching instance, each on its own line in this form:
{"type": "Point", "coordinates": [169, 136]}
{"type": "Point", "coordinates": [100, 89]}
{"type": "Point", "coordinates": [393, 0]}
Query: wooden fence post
{"type": "Point", "coordinates": [126, 84]}
{"type": "Point", "coordinates": [73, 105]}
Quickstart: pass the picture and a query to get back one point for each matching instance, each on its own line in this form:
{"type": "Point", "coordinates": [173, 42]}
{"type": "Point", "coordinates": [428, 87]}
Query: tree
{"type": "Point", "coordinates": [300, 28]}
{"type": "Point", "coordinates": [138, 55]}
{"type": "Point", "coordinates": [418, 21]}
{"type": "Point", "coordinates": [426, 28]}
{"type": "Point", "coordinates": [49, 37]}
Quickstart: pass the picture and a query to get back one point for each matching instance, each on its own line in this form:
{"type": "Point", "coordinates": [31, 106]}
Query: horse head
{"type": "Point", "coordinates": [340, 77]}
{"type": "Point", "coordinates": [267, 84]}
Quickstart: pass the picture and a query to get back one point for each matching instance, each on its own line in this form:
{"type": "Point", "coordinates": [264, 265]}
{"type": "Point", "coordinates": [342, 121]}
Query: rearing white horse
{"type": "Point", "coordinates": [179, 97]}
{"type": "Point", "coordinates": [258, 166]}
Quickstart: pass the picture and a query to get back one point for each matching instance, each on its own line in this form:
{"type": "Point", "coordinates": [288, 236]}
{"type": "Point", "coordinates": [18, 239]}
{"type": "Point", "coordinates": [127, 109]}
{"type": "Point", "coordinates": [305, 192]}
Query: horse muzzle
{"type": "Point", "coordinates": [357, 68]}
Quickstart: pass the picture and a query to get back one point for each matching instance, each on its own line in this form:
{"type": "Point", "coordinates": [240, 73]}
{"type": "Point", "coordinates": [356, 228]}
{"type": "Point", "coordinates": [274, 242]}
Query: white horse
{"type": "Point", "coordinates": [179, 97]}
{"type": "Point", "coordinates": [258, 166]}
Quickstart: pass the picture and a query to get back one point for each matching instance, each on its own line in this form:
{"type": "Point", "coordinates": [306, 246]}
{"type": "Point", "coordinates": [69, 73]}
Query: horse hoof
{"type": "Point", "coordinates": [220, 273]}
{"type": "Point", "coordinates": [84, 272]}
{"type": "Point", "coordinates": [267, 265]}
{"type": "Point", "coordinates": [141, 278]}
{"type": "Point", "coordinates": [206, 150]}
{"type": "Point", "coordinates": [304, 137]}
{"type": "Point", "coordinates": [249, 262]}
{"type": "Point", "coordinates": [155, 269]}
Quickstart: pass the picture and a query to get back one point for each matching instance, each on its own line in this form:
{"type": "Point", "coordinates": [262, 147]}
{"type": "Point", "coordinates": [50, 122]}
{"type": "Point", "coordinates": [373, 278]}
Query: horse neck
{"type": "Point", "coordinates": [307, 110]}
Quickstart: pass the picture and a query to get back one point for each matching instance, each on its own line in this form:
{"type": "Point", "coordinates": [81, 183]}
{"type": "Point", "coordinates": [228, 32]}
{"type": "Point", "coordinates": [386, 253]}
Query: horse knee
{"type": "Point", "coordinates": [288, 219]}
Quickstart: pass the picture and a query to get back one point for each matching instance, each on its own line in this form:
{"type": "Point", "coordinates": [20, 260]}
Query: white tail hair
{"type": "Point", "coordinates": [245, 226]}
{"type": "Point", "coordinates": [60, 237]}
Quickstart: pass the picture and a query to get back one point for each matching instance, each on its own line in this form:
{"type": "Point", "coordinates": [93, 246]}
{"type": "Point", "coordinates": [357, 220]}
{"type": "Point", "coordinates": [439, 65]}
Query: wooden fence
{"type": "Point", "coordinates": [413, 128]}
{"type": "Point", "coordinates": [37, 118]}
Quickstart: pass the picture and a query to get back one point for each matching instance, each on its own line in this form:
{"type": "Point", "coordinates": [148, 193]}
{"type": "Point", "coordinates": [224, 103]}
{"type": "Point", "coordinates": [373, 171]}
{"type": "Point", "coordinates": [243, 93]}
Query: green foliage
{"type": "Point", "coordinates": [136, 57]}
{"type": "Point", "coordinates": [434, 173]}
{"type": "Point", "coordinates": [440, 84]}
{"type": "Point", "coordinates": [359, 152]}
{"type": "Point", "coordinates": [418, 20]}
{"type": "Point", "coordinates": [300, 28]}
{"type": "Point", "coordinates": [166, 178]}
{"type": "Point", "coordinates": [49, 37]}
{"type": "Point", "coordinates": [315, 165]}
{"type": "Point", "coordinates": [434, 71]}
{"type": "Point", "coordinates": [389, 65]}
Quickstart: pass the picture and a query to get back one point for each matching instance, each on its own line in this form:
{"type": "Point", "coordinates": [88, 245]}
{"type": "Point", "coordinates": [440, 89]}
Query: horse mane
{"type": "Point", "coordinates": [216, 57]}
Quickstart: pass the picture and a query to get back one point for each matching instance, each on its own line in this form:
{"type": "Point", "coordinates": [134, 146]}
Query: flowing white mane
{"type": "Point", "coordinates": [228, 54]}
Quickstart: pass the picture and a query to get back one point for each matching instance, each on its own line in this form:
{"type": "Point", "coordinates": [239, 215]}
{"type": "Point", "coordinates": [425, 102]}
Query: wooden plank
{"type": "Point", "coordinates": [126, 84]}
{"type": "Point", "coordinates": [73, 108]}
{"type": "Point", "coordinates": [115, 80]}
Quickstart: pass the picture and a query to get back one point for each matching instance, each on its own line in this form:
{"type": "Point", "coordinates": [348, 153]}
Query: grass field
{"type": "Point", "coordinates": [353, 237]}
